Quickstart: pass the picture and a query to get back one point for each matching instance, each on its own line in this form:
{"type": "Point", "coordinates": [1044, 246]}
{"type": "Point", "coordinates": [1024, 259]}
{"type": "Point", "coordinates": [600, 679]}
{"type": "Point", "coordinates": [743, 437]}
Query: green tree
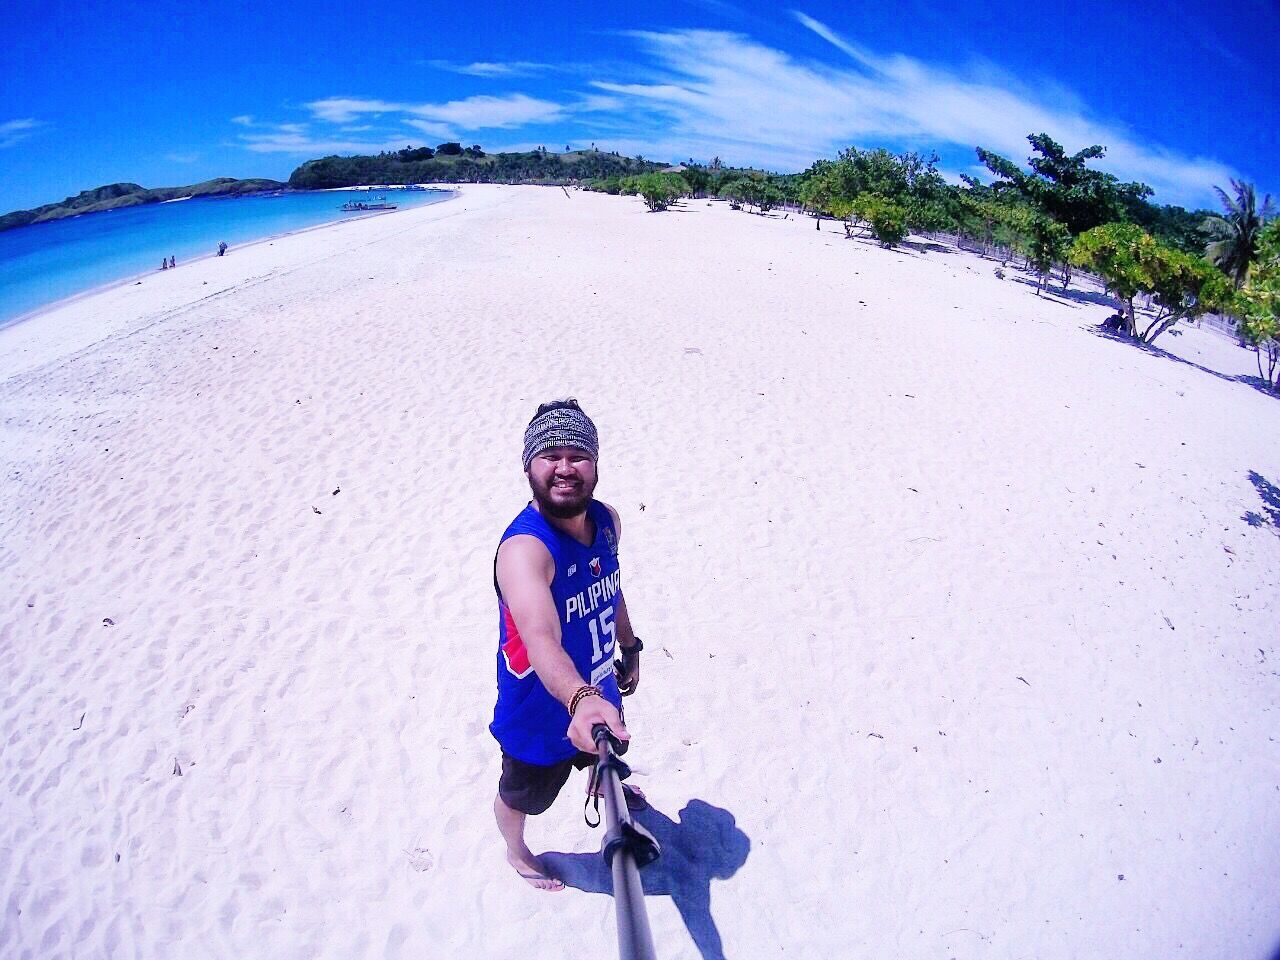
{"type": "Point", "coordinates": [1259, 304]}
{"type": "Point", "coordinates": [1175, 226]}
{"type": "Point", "coordinates": [908, 182]}
{"type": "Point", "coordinates": [1187, 287]}
{"type": "Point", "coordinates": [842, 210]}
{"type": "Point", "coordinates": [1047, 242]}
{"type": "Point", "coordinates": [818, 188]}
{"type": "Point", "coordinates": [698, 179]}
{"type": "Point", "coordinates": [751, 191]}
{"type": "Point", "coordinates": [765, 195]}
{"type": "Point", "coordinates": [732, 190]}
{"type": "Point", "coordinates": [1131, 262]}
{"type": "Point", "coordinates": [1233, 238]}
{"type": "Point", "coordinates": [660, 190]}
{"type": "Point", "coordinates": [610, 185]}
{"type": "Point", "coordinates": [1001, 224]}
{"type": "Point", "coordinates": [930, 215]}
{"type": "Point", "coordinates": [1062, 186]}
{"type": "Point", "coordinates": [886, 220]}
{"type": "Point", "coordinates": [896, 178]}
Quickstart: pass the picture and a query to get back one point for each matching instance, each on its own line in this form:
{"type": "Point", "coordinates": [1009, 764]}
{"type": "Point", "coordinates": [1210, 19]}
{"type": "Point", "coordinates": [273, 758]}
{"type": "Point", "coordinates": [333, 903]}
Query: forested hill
{"type": "Point", "coordinates": [116, 195]}
{"type": "Point", "coordinates": [451, 163]}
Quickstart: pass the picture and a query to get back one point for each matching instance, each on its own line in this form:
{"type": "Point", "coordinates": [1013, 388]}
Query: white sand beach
{"type": "Point", "coordinates": [960, 619]}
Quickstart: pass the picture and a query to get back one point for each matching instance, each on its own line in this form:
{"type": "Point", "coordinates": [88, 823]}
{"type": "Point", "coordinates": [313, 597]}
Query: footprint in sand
{"type": "Point", "coordinates": [420, 859]}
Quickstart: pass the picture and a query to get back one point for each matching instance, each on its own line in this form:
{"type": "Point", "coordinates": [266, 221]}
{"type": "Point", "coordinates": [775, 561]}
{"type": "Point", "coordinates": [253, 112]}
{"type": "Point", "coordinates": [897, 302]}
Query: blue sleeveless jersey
{"type": "Point", "coordinates": [528, 722]}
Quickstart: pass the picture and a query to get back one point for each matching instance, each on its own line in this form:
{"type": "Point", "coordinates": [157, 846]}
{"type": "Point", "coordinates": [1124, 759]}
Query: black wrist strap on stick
{"type": "Point", "coordinates": [596, 786]}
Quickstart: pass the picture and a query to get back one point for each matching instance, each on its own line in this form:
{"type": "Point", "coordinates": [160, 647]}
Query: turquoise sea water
{"type": "Point", "coordinates": [44, 262]}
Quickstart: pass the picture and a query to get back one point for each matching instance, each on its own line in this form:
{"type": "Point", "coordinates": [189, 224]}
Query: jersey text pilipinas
{"type": "Point", "coordinates": [591, 599]}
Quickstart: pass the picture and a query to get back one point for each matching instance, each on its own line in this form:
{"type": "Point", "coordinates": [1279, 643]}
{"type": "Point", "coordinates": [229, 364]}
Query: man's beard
{"type": "Point", "coordinates": [562, 507]}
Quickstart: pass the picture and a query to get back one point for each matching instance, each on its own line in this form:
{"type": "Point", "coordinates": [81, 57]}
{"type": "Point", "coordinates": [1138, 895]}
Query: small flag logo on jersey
{"type": "Point", "coordinates": [573, 568]}
{"type": "Point", "coordinates": [595, 566]}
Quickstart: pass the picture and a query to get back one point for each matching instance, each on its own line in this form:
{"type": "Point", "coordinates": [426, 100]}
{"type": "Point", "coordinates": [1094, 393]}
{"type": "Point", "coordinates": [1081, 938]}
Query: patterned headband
{"type": "Point", "coordinates": [560, 424]}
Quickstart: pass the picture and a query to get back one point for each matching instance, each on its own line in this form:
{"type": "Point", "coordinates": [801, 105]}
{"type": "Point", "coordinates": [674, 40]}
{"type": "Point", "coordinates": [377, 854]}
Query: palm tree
{"type": "Point", "coordinates": [1234, 237]}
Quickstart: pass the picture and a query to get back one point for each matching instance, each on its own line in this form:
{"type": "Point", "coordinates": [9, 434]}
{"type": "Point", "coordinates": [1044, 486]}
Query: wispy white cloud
{"type": "Point", "coordinates": [15, 131]}
{"type": "Point", "coordinates": [596, 102]}
{"type": "Point", "coordinates": [711, 90]}
{"type": "Point", "coordinates": [938, 104]}
{"type": "Point", "coordinates": [347, 109]}
{"type": "Point", "coordinates": [481, 68]}
{"type": "Point", "coordinates": [473, 113]}
{"type": "Point", "coordinates": [704, 93]}
{"type": "Point", "coordinates": [298, 139]}
{"type": "Point", "coordinates": [182, 157]}
{"type": "Point", "coordinates": [431, 129]}
{"type": "Point", "coordinates": [315, 147]}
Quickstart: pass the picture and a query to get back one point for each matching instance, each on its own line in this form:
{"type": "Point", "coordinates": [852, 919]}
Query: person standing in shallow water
{"type": "Point", "coordinates": [561, 616]}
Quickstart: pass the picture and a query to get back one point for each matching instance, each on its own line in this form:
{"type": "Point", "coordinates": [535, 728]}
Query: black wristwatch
{"type": "Point", "coordinates": [632, 651]}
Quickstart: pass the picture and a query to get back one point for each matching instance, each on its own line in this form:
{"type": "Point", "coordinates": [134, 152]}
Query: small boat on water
{"type": "Point", "coordinates": [352, 206]}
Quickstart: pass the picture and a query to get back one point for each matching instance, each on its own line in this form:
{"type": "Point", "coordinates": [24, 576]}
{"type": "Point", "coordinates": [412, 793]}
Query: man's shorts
{"type": "Point", "coordinates": [531, 788]}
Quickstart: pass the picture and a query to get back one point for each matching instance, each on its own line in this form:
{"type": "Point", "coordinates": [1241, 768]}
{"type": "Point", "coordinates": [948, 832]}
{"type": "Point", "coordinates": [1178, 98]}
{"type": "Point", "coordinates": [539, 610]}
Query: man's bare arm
{"type": "Point", "coordinates": [617, 522]}
{"type": "Point", "coordinates": [622, 622]}
{"type": "Point", "coordinates": [525, 572]}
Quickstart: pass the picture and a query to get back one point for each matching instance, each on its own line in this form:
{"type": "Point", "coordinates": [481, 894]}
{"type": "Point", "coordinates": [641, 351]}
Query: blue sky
{"type": "Point", "coordinates": [1184, 95]}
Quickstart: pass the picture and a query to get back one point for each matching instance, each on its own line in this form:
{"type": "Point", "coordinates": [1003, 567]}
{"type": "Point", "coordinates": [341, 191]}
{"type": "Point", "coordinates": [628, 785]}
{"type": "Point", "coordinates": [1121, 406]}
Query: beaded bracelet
{"type": "Point", "coordinates": [584, 691]}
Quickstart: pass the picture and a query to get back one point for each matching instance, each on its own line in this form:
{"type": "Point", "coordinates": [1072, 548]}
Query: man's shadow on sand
{"type": "Point", "coordinates": [706, 844]}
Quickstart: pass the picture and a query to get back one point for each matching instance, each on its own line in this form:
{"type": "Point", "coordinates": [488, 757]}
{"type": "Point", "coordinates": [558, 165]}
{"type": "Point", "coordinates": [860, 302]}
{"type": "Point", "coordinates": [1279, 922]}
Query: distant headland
{"type": "Point", "coordinates": [113, 196]}
{"type": "Point", "coordinates": [453, 163]}
{"type": "Point", "coordinates": [446, 163]}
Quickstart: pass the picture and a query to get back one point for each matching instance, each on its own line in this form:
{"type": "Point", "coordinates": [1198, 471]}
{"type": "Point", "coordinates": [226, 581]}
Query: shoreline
{"type": "Point", "coordinates": [138, 277]}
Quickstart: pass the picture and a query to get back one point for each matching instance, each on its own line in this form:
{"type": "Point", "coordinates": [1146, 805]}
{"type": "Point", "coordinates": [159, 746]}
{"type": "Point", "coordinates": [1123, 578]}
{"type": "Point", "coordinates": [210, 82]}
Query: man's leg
{"type": "Point", "coordinates": [511, 826]}
{"type": "Point", "coordinates": [527, 789]}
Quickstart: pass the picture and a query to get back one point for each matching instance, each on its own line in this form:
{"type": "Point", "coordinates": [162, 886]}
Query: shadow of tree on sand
{"type": "Point", "coordinates": [1270, 495]}
{"type": "Point", "coordinates": [925, 246]}
{"type": "Point", "coordinates": [706, 844]}
{"type": "Point", "coordinates": [1066, 297]}
{"type": "Point", "coordinates": [1086, 296]}
{"type": "Point", "coordinates": [1246, 378]}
